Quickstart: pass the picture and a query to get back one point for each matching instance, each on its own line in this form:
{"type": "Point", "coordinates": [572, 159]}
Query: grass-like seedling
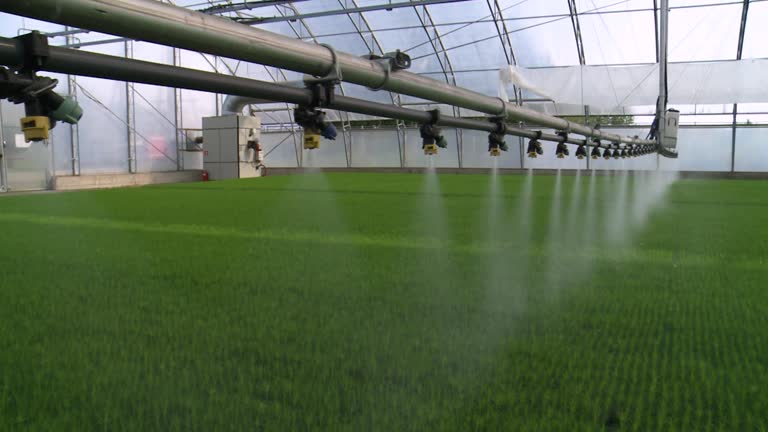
{"type": "Point", "coordinates": [342, 302]}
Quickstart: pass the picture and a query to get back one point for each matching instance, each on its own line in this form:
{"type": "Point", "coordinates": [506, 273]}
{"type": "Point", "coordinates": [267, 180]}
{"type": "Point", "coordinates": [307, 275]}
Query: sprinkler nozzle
{"type": "Point", "coordinates": [496, 144]}
{"type": "Point", "coordinates": [595, 152]}
{"type": "Point", "coordinates": [431, 138]}
{"type": "Point", "coordinates": [561, 151]}
{"type": "Point", "coordinates": [534, 149]}
{"type": "Point", "coordinates": [581, 151]}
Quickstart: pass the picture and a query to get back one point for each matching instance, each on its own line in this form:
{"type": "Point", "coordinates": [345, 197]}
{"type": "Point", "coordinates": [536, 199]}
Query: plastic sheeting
{"type": "Point", "coordinates": [609, 87]}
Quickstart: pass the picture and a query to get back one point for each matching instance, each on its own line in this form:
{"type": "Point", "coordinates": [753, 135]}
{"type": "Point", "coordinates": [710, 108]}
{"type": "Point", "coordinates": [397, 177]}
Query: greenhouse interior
{"type": "Point", "coordinates": [346, 215]}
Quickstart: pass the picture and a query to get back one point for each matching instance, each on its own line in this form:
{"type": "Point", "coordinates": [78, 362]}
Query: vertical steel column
{"type": "Point", "coordinates": [3, 170]}
{"type": "Point", "coordinates": [178, 117]}
{"type": "Point", "coordinates": [130, 105]}
{"type": "Point", "coordinates": [401, 142]}
{"type": "Point", "coordinates": [656, 26]}
{"type": "Point", "coordinates": [74, 130]}
{"type": "Point", "coordinates": [586, 121]}
{"type": "Point", "coordinates": [739, 53]}
{"type": "Point", "coordinates": [733, 139]}
{"type": "Point", "coordinates": [50, 170]}
{"type": "Point", "coordinates": [346, 135]}
{"type": "Point", "coordinates": [661, 105]}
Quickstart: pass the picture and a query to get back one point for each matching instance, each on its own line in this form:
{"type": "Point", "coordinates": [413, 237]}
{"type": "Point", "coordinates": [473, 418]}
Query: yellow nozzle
{"type": "Point", "coordinates": [430, 149]}
{"type": "Point", "coordinates": [35, 128]}
{"type": "Point", "coordinates": [495, 152]}
{"type": "Point", "coordinates": [311, 139]}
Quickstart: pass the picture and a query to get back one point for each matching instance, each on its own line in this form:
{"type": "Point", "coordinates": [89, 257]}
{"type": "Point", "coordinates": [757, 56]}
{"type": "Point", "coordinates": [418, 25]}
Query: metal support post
{"type": "Point", "coordinates": [3, 167]}
{"type": "Point", "coordinates": [733, 138]}
{"type": "Point", "coordinates": [586, 121]}
{"type": "Point", "coordinates": [181, 141]}
{"type": "Point", "coordinates": [74, 129]}
{"type": "Point", "coordinates": [130, 107]}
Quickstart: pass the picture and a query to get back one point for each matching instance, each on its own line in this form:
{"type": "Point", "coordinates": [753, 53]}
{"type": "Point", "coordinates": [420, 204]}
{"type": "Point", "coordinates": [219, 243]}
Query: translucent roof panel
{"type": "Point", "coordinates": [486, 82]}
{"type": "Point", "coordinates": [543, 42]}
{"type": "Point", "coordinates": [513, 9]}
{"type": "Point", "coordinates": [331, 25]}
{"type": "Point", "coordinates": [396, 18]}
{"type": "Point", "coordinates": [618, 38]}
{"type": "Point", "coordinates": [401, 29]}
{"type": "Point", "coordinates": [349, 44]}
{"type": "Point", "coordinates": [13, 25]}
{"type": "Point", "coordinates": [756, 34]}
{"type": "Point", "coordinates": [468, 11]}
{"type": "Point", "coordinates": [705, 33]}
{"type": "Point", "coordinates": [476, 46]}
{"type": "Point", "coordinates": [284, 28]}
{"type": "Point", "coordinates": [682, 3]}
{"type": "Point", "coordinates": [602, 6]}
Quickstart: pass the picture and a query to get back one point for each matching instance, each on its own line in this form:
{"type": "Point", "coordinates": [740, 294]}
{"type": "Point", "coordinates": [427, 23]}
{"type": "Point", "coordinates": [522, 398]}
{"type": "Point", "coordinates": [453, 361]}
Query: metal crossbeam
{"type": "Point", "coordinates": [384, 6]}
{"type": "Point", "coordinates": [742, 29]}
{"type": "Point", "coordinates": [227, 7]}
{"type": "Point", "coordinates": [576, 30]}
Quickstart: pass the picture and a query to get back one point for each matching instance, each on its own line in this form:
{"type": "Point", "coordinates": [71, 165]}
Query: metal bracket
{"type": "Point", "coordinates": [323, 88]}
{"type": "Point", "coordinates": [503, 112]}
{"type": "Point", "coordinates": [334, 72]}
{"type": "Point", "coordinates": [35, 51]}
{"type": "Point", "coordinates": [323, 94]}
{"type": "Point", "coordinates": [386, 65]}
{"type": "Point", "coordinates": [501, 125]}
{"type": "Point", "coordinates": [564, 135]}
{"type": "Point", "coordinates": [434, 116]}
{"type": "Point", "coordinates": [430, 132]}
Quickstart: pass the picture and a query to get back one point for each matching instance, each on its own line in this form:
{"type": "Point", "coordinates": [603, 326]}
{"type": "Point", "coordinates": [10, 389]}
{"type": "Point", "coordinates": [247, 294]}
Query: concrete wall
{"type": "Point", "coordinates": [123, 180]}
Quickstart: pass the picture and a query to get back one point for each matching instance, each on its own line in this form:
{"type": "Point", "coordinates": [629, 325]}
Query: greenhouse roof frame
{"type": "Point", "coordinates": [495, 15]}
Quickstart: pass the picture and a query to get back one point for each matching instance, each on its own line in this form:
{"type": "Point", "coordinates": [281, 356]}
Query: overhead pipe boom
{"type": "Point", "coordinates": [161, 23]}
{"type": "Point", "coordinates": [70, 61]}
